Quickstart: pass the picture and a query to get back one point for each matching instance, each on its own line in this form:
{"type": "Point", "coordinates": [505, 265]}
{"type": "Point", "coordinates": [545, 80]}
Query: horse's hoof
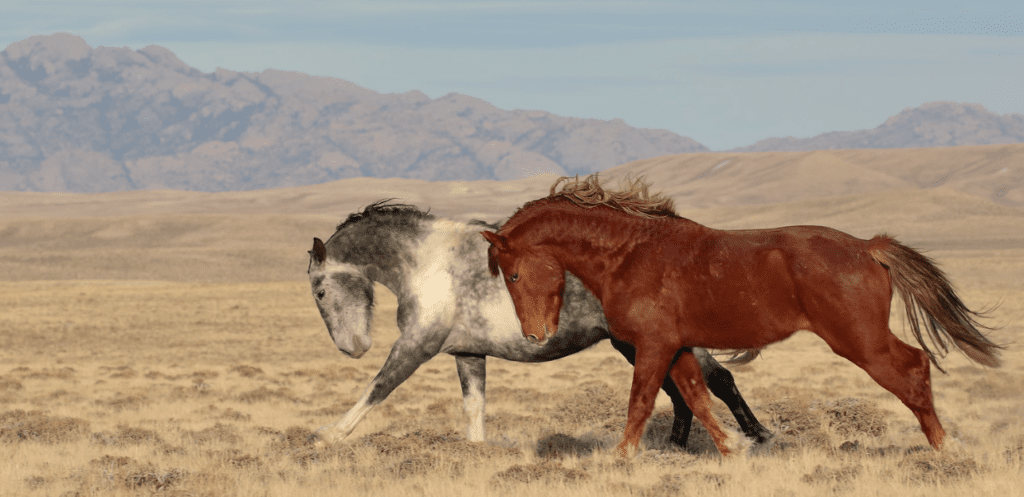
{"type": "Point", "coordinates": [318, 440]}
{"type": "Point", "coordinates": [627, 451]}
{"type": "Point", "coordinates": [765, 437]}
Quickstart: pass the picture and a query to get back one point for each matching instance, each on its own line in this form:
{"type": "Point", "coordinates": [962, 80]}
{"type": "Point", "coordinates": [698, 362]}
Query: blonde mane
{"type": "Point", "coordinates": [633, 199]}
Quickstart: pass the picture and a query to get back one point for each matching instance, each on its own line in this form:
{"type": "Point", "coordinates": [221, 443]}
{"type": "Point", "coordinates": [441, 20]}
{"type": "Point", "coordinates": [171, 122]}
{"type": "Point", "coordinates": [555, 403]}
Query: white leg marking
{"type": "Point", "coordinates": [736, 442]}
{"type": "Point", "coordinates": [339, 430]}
{"type": "Point", "coordinates": [474, 406]}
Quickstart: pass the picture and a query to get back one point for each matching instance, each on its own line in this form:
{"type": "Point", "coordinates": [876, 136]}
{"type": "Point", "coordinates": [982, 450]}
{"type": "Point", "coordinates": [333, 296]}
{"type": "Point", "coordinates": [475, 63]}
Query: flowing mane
{"type": "Point", "coordinates": [633, 199]}
{"type": "Point", "coordinates": [382, 207]}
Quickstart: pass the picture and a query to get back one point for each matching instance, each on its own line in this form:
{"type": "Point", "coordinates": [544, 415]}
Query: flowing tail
{"type": "Point", "coordinates": [928, 295]}
{"type": "Point", "coordinates": [738, 357]}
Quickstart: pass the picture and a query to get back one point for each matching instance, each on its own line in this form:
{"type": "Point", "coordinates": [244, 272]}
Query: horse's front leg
{"type": "Point", "coordinates": [652, 364]}
{"type": "Point", "coordinates": [683, 415]}
{"type": "Point", "coordinates": [473, 378]}
{"type": "Point", "coordinates": [406, 355]}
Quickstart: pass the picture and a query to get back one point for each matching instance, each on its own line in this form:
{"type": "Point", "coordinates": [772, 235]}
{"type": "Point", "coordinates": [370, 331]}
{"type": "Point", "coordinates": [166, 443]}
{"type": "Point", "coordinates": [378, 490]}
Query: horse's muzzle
{"type": "Point", "coordinates": [355, 354]}
{"type": "Point", "coordinates": [355, 347]}
{"type": "Point", "coordinates": [532, 338]}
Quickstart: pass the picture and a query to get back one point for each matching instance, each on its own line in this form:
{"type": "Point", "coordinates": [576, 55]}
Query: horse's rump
{"type": "Point", "coordinates": [929, 297]}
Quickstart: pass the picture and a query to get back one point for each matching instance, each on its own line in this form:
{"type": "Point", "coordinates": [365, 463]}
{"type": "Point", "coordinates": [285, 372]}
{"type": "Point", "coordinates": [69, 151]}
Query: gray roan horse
{"type": "Point", "coordinates": [448, 302]}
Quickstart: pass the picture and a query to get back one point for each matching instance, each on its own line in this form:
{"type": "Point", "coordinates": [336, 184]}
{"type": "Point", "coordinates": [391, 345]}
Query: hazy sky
{"type": "Point", "coordinates": [723, 73]}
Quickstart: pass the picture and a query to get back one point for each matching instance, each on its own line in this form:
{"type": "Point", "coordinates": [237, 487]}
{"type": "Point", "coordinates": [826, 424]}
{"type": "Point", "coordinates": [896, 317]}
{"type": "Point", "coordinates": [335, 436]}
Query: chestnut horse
{"type": "Point", "coordinates": [668, 284]}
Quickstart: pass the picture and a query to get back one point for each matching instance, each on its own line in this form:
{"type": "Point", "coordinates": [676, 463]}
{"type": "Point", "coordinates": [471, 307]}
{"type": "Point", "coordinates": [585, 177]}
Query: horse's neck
{"type": "Point", "coordinates": [438, 242]}
{"type": "Point", "coordinates": [384, 250]}
{"type": "Point", "coordinates": [583, 263]}
{"type": "Point", "coordinates": [597, 245]}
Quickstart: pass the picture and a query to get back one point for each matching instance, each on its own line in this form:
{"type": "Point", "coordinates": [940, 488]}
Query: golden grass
{"type": "Point", "coordinates": [131, 387]}
{"type": "Point", "coordinates": [209, 381]}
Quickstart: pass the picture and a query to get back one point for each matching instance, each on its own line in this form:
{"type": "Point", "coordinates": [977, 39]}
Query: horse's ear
{"type": "Point", "coordinates": [319, 253]}
{"type": "Point", "coordinates": [492, 261]}
{"type": "Point", "coordinates": [496, 240]}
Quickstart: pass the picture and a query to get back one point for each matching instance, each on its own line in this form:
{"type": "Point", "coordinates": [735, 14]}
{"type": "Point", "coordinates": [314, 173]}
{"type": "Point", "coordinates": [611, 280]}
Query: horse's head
{"type": "Point", "coordinates": [535, 281]}
{"type": "Point", "coordinates": [344, 295]}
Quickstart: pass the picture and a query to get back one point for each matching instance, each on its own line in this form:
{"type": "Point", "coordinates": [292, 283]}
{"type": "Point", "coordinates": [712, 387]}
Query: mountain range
{"type": "Point", "coordinates": [934, 124]}
{"type": "Point", "coordinates": [80, 119]}
{"type": "Point", "coordinates": [74, 118]}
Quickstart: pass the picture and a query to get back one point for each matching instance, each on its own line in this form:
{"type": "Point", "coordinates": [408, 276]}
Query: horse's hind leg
{"type": "Point", "coordinates": [897, 367]}
{"type": "Point", "coordinates": [473, 378]}
{"type": "Point", "coordinates": [906, 373]}
{"type": "Point", "coordinates": [720, 381]}
{"type": "Point", "coordinates": [683, 414]}
{"type": "Point", "coordinates": [687, 376]}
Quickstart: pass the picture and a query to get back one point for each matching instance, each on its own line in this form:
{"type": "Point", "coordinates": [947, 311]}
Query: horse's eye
{"type": "Point", "coordinates": [514, 277]}
{"type": "Point", "coordinates": [320, 295]}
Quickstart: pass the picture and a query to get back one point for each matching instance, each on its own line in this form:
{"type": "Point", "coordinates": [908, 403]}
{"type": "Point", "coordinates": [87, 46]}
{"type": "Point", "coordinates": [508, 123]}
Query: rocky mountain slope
{"type": "Point", "coordinates": [79, 119]}
{"type": "Point", "coordinates": [82, 119]}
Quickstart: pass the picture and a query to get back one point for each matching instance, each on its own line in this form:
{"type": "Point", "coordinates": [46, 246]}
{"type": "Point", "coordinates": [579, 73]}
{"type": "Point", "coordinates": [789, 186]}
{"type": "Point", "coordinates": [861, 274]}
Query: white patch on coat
{"type": "Point", "coordinates": [431, 280]}
{"type": "Point", "coordinates": [501, 313]}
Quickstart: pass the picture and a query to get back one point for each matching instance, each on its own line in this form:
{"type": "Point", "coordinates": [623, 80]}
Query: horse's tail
{"type": "Point", "coordinates": [927, 294]}
{"type": "Point", "coordinates": [741, 356]}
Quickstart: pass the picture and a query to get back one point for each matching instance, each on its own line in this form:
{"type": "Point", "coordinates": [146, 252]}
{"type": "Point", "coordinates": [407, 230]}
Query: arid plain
{"type": "Point", "coordinates": [166, 343]}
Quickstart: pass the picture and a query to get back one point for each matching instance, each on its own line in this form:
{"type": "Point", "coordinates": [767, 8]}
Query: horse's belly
{"type": "Point", "coordinates": [759, 313]}
{"type": "Point", "coordinates": [742, 327]}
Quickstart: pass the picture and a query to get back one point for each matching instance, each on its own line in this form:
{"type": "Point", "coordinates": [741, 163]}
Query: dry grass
{"type": "Point", "coordinates": [128, 388]}
{"type": "Point", "coordinates": [209, 381]}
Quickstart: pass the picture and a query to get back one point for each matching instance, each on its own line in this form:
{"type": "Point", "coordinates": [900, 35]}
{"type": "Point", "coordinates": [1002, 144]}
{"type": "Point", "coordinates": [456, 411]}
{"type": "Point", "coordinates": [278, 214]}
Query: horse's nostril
{"type": "Point", "coordinates": [532, 338]}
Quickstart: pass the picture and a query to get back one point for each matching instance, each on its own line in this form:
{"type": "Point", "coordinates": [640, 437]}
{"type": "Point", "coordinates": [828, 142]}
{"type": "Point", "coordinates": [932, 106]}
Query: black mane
{"type": "Point", "coordinates": [382, 207]}
{"type": "Point", "coordinates": [495, 226]}
{"type": "Point", "coordinates": [377, 234]}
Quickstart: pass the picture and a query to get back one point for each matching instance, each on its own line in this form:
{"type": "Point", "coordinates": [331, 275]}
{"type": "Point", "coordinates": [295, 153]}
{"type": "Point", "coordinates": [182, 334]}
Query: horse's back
{"type": "Point", "coordinates": [815, 255]}
{"type": "Point", "coordinates": [834, 274]}
{"type": "Point", "coordinates": [749, 288]}
{"type": "Point", "coordinates": [805, 246]}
